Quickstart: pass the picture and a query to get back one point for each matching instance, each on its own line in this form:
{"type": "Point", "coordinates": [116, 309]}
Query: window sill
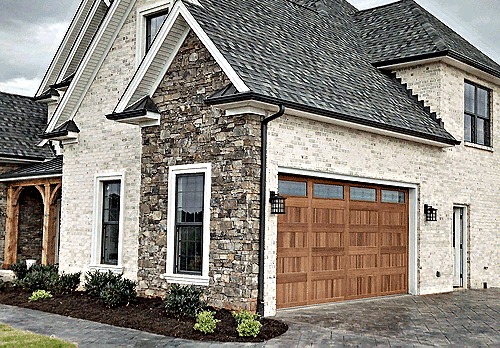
{"type": "Point", "coordinates": [186, 279]}
{"type": "Point", "coordinates": [106, 268]}
{"type": "Point", "coordinates": [477, 146]}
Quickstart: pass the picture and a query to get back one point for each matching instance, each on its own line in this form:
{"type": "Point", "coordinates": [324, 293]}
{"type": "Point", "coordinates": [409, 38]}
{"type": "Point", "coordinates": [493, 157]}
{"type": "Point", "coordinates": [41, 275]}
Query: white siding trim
{"type": "Point", "coordinates": [205, 168]}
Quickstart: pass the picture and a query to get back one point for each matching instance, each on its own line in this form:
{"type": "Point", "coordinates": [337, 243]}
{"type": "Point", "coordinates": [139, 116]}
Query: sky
{"type": "Point", "coordinates": [31, 31]}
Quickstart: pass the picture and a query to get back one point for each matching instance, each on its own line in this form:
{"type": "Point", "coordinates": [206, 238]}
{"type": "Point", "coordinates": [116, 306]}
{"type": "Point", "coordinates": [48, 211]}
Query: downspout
{"type": "Point", "coordinates": [262, 230]}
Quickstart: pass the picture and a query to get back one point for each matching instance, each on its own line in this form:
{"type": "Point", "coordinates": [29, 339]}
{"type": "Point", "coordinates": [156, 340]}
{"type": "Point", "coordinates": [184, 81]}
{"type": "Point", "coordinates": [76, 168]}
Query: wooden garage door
{"type": "Point", "coordinates": [340, 241]}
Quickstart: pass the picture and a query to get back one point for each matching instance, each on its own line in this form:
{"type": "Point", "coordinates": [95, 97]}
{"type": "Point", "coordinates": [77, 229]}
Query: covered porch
{"type": "Point", "coordinates": [33, 213]}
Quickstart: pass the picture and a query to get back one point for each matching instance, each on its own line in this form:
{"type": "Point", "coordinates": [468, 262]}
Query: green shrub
{"type": "Point", "coordinates": [184, 300]}
{"type": "Point", "coordinates": [244, 315]}
{"type": "Point", "coordinates": [249, 327]}
{"type": "Point", "coordinates": [66, 283]}
{"type": "Point", "coordinates": [96, 281]}
{"type": "Point", "coordinates": [118, 292]}
{"type": "Point", "coordinates": [3, 285]}
{"type": "Point", "coordinates": [40, 277]}
{"type": "Point", "coordinates": [39, 295]}
{"type": "Point", "coordinates": [205, 322]}
{"type": "Point", "coordinates": [20, 270]}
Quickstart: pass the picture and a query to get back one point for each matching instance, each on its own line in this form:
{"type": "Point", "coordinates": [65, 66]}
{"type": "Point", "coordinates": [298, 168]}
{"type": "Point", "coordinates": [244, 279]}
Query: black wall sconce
{"type": "Point", "coordinates": [430, 213]}
{"type": "Point", "coordinates": [277, 203]}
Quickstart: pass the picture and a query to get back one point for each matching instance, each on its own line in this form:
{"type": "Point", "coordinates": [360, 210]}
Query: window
{"type": "Point", "coordinates": [393, 196]}
{"type": "Point", "coordinates": [188, 218]}
{"type": "Point", "coordinates": [328, 191]}
{"type": "Point", "coordinates": [476, 114]}
{"type": "Point", "coordinates": [292, 188]}
{"type": "Point", "coordinates": [363, 194]}
{"type": "Point", "coordinates": [108, 222]}
{"type": "Point", "coordinates": [153, 25]}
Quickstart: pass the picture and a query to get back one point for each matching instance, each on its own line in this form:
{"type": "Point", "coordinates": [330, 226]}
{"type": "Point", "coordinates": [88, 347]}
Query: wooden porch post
{"type": "Point", "coordinates": [49, 221]}
{"type": "Point", "coordinates": [11, 227]}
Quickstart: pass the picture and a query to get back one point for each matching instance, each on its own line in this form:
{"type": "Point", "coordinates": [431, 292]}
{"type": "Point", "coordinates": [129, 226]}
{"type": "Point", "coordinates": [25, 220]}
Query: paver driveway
{"type": "Point", "coordinates": [464, 318]}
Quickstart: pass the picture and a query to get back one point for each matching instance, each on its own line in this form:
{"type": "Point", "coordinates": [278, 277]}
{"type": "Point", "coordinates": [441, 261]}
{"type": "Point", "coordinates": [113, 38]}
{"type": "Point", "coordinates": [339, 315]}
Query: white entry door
{"type": "Point", "coordinates": [458, 247]}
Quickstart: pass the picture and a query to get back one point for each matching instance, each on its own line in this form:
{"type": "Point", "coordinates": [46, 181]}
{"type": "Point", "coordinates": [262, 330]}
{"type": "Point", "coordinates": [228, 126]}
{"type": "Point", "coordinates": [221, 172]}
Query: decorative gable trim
{"type": "Point", "coordinates": [92, 61]}
{"type": "Point", "coordinates": [66, 45]}
{"type": "Point", "coordinates": [143, 113]}
{"type": "Point", "coordinates": [163, 51]}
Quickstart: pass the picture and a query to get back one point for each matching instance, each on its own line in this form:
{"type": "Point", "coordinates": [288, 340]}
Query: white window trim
{"type": "Point", "coordinates": [97, 222]}
{"type": "Point", "coordinates": [170, 276]}
{"type": "Point", "coordinates": [142, 13]}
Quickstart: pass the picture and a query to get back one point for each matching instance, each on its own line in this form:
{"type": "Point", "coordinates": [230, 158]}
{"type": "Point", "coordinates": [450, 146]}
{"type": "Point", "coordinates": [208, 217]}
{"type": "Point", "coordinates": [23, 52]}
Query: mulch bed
{"type": "Point", "coordinates": [146, 314]}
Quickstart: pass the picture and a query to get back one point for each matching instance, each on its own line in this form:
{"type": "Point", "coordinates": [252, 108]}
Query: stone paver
{"type": "Point", "coordinates": [463, 318]}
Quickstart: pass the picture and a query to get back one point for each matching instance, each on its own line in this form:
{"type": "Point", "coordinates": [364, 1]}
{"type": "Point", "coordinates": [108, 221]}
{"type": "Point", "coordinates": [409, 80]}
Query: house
{"type": "Point", "coordinates": [179, 122]}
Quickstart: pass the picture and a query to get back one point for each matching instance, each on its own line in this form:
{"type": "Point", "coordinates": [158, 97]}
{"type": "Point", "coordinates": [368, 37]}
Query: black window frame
{"type": "Point", "coordinates": [149, 38]}
{"type": "Point", "coordinates": [105, 223]}
{"type": "Point", "coordinates": [475, 115]}
{"type": "Point", "coordinates": [177, 235]}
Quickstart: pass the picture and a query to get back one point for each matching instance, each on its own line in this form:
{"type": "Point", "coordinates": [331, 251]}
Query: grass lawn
{"type": "Point", "coordinates": [10, 337]}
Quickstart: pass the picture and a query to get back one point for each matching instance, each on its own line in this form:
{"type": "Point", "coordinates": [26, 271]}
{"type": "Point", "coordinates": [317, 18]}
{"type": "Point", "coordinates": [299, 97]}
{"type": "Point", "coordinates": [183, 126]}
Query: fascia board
{"type": "Point", "coordinates": [64, 43]}
{"type": "Point", "coordinates": [90, 52]}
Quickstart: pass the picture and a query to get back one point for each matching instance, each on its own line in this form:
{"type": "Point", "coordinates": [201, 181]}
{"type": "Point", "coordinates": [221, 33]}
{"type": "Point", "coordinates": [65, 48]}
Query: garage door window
{"type": "Point", "coordinates": [328, 191]}
{"type": "Point", "coordinates": [292, 188]}
{"type": "Point", "coordinates": [363, 194]}
{"type": "Point", "coordinates": [393, 196]}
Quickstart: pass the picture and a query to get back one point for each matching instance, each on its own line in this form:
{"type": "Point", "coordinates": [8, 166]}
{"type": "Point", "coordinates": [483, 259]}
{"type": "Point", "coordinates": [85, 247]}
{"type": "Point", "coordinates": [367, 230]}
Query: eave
{"type": "Point", "coordinates": [245, 101]}
{"type": "Point", "coordinates": [142, 118]}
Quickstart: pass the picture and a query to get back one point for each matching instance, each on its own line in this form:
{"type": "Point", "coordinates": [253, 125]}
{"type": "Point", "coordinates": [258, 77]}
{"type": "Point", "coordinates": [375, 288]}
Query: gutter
{"type": "Point", "coordinates": [262, 229]}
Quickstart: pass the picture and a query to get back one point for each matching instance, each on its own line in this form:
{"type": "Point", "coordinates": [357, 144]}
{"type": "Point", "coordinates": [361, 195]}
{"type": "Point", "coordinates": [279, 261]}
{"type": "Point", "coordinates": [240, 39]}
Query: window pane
{"type": "Point", "coordinates": [153, 25]}
{"type": "Point", "coordinates": [189, 247]}
{"type": "Point", "coordinates": [480, 131]}
{"type": "Point", "coordinates": [110, 219]}
{"type": "Point", "coordinates": [190, 198]}
{"type": "Point", "coordinates": [482, 103]}
{"type": "Point", "coordinates": [469, 97]}
{"type": "Point", "coordinates": [292, 188]}
{"type": "Point", "coordinates": [363, 194]}
{"type": "Point", "coordinates": [328, 191]}
{"type": "Point", "coordinates": [393, 196]}
{"type": "Point", "coordinates": [467, 128]}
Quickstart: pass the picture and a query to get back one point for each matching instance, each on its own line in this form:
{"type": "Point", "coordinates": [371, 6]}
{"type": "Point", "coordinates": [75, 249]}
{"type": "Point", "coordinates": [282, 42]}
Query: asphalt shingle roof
{"type": "Point", "coordinates": [21, 121]}
{"type": "Point", "coordinates": [52, 167]}
{"type": "Point", "coordinates": [404, 30]}
{"type": "Point", "coordinates": [301, 55]}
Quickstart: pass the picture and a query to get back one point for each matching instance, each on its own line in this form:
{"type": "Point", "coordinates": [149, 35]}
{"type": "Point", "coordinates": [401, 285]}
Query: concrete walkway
{"type": "Point", "coordinates": [464, 318]}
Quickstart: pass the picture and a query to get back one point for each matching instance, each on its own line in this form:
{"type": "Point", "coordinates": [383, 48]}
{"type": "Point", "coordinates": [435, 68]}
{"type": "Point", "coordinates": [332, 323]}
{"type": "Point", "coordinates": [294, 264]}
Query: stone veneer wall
{"type": "Point", "coordinates": [30, 228]}
{"type": "Point", "coordinates": [466, 174]}
{"type": "Point", "coordinates": [4, 168]}
{"type": "Point", "coordinates": [191, 132]}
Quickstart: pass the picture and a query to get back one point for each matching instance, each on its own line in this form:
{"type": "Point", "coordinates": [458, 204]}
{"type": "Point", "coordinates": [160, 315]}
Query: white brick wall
{"type": "Point", "coordinates": [458, 175]}
{"type": "Point", "coordinates": [104, 146]}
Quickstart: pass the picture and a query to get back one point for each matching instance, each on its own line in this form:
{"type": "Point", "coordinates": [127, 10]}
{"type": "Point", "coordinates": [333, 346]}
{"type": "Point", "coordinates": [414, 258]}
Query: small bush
{"type": "Point", "coordinates": [205, 322]}
{"type": "Point", "coordinates": [20, 270]}
{"type": "Point", "coordinates": [39, 295]}
{"type": "Point", "coordinates": [244, 315]}
{"type": "Point", "coordinates": [249, 327]}
{"type": "Point", "coordinates": [118, 292]}
{"type": "Point", "coordinates": [3, 285]}
{"type": "Point", "coordinates": [66, 282]}
{"type": "Point", "coordinates": [184, 300]}
{"type": "Point", "coordinates": [96, 281]}
{"type": "Point", "coordinates": [40, 277]}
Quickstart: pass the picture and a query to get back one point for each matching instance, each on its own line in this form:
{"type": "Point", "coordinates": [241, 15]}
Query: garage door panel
{"type": "Point", "coordinates": [328, 216]}
{"type": "Point", "coordinates": [286, 265]}
{"type": "Point", "coordinates": [364, 239]}
{"type": "Point", "coordinates": [363, 286]}
{"type": "Point", "coordinates": [394, 260]}
{"type": "Point", "coordinates": [291, 294]}
{"type": "Point", "coordinates": [363, 217]}
{"type": "Point", "coordinates": [363, 261]}
{"type": "Point", "coordinates": [393, 218]}
{"type": "Point", "coordinates": [327, 290]}
{"type": "Point", "coordinates": [328, 262]}
{"type": "Point", "coordinates": [393, 283]}
{"type": "Point", "coordinates": [327, 240]}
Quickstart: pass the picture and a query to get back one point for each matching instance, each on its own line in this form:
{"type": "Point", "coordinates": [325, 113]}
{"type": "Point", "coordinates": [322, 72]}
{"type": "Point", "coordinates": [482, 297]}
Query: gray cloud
{"type": "Point", "coordinates": [18, 12]}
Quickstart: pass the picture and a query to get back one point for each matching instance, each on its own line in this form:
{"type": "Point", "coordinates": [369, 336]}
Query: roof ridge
{"type": "Point", "coordinates": [432, 32]}
{"type": "Point", "coordinates": [19, 95]}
